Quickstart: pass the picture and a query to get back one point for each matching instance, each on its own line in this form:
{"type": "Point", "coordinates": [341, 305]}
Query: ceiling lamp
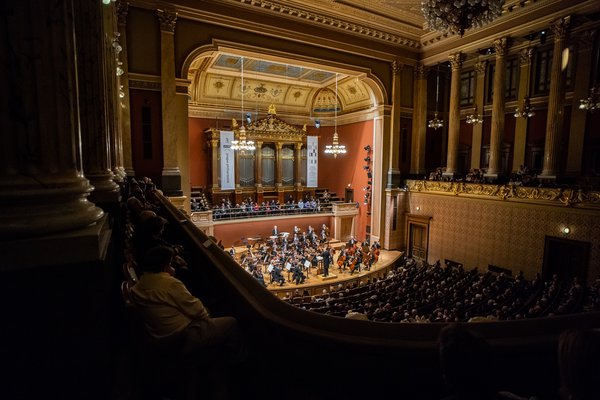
{"type": "Point", "coordinates": [592, 103]}
{"type": "Point", "coordinates": [526, 111]}
{"type": "Point", "coordinates": [241, 143]}
{"type": "Point", "coordinates": [335, 147]}
{"type": "Point", "coordinates": [457, 16]}
{"type": "Point", "coordinates": [475, 118]}
{"type": "Point", "coordinates": [436, 123]}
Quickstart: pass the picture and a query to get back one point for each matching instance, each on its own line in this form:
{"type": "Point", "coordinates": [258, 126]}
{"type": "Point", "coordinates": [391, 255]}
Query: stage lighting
{"type": "Point", "coordinates": [367, 148]}
{"type": "Point", "coordinates": [369, 175]}
{"type": "Point", "coordinates": [367, 159]}
{"type": "Point", "coordinates": [317, 124]}
{"type": "Point", "coordinates": [248, 118]}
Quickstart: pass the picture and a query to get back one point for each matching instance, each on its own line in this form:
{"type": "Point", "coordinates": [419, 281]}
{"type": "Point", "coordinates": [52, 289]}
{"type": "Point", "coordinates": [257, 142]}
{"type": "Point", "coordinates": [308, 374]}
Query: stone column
{"type": "Point", "coordinates": [476, 140]}
{"type": "Point", "coordinates": [171, 175]}
{"type": "Point", "coordinates": [419, 126]}
{"type": "Point", "coordinates": [393, 172]}
{"type": "Point", "coordinates": [95, 71]}
{"type": "Point", "coordinates": [578, 117]}
{"type": "Point", "coordinates": [497, 132]}
{"type": "Point", "coordinates": [521, 123]}
{"type": "Point", "coordinates": [456, 61]}
{"type": "Point", "coordinates": [42, 187]}
{"type": "Point", "coordinates": [214, 149]}
{"type": "Point", "coordinates": [555, 102]}
{"type": "Point", "coordinates": [125, 119]}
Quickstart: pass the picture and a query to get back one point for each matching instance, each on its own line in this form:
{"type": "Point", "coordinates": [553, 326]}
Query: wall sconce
{"type": "Point", "coordinates": [317, 124]}
{"type": "Point", "coordinates": [418, 208]}
{"type": "Point", "coordinates": [566, 230]}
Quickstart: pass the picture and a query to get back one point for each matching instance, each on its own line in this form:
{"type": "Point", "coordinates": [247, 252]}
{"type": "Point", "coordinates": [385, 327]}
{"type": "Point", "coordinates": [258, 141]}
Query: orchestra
{"type": "Point", "coordinates": [296, 254]}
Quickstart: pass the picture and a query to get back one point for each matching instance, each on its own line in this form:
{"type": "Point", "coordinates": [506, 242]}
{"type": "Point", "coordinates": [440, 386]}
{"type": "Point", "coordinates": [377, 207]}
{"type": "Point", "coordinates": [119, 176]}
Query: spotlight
{"type": "Point", "coordinates": [369, 183]}
{"type": "Point", "coordinates": [366, 167]}
{"type": "Point", "coordinates": [367, 148]}
{"type": "Point", "coordinates": [542, 37]}
{"type": "Point", "coordinates": [248, 118]}
{"type": "Point", "coordinates": [369, 175]}
{"type": "Point", "coordinates": [317, 124]}
{"type": "Point", "coordinates": [367, 159]}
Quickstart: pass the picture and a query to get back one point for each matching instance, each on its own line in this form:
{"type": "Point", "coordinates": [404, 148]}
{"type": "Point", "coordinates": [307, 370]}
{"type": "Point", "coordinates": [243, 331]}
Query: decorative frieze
{"type": "Point", "coordinates": [557, 196]}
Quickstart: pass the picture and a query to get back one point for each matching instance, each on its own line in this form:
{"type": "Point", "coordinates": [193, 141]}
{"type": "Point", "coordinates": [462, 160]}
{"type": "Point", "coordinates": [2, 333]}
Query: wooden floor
{"type": "Point", "coordinates": [314, 284]}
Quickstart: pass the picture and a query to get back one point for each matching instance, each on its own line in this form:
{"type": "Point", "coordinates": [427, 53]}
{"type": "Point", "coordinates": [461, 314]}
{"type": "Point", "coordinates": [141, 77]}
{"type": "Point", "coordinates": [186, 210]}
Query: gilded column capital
{"type": "Point", "coordinates": [456, 60]}
{"type": "Point", "coordinates": [167, 19]}
{"type": "Point", "coordinates": [480, 67]}
{"type": "Point", "coordinates": [214, 143]}
{"type": "Point", "coordinates": [298, 146]}
{"type": "Point", "coordinates": [501, 47]}
{"type": "Point", "coordinates": [122, 10]}
{"type": "Point", "coordinates": [397, 67]}
{"type": "Point", "coordinates": [421, 71]}
{"type": "Point", "coordinates": [259, 144]}
{"type": "Point", "coordinates": [278, 145]}
{"type": "Point", "coordinates": [560, 26]}
{"type": "Point", "coordinates": [525, 56]}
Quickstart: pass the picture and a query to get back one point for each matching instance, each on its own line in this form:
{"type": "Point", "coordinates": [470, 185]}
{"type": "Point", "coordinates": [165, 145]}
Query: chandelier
{"type": "Point", "coordinates": [241, 143]}
{"type": "Point", "coordinates": [474, 118]}
{"type": "Point", "coordinates": [335, 147]}
{"type": "Point", "coordinates": [457, 16]}
{"type": "Point", "coordinates": [592, 103]}
{"type": "Point", "coordinates": [526, 111]}
{"type": "Point", "coordinates": [436, 123]}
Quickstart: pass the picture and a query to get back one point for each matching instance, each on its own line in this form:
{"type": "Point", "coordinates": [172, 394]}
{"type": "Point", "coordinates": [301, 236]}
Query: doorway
{"type": "Point", "coordinates": [565, 257]}
{"type": "Point", "coordinates": [417, 227]}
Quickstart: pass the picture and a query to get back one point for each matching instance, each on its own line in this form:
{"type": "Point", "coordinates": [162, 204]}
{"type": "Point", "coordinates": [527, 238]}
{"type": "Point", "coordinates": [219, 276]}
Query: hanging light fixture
{"type": "Point", "coordinates": [335, 147]}
{"type": "Point", "coordinates": [475, 118]}
{"type": "Point", "coordinates": [457, 16]}
{"type": "Point", "coordinates": [526, 110]}
{"type": "Point", "coordinates": [436, 123]}
{"type": "Point", "coordinates": [592, 103]}
{"type": "Point", "coordinates": [241, 143]}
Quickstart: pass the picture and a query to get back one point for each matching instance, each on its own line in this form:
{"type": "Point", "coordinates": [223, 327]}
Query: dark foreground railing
{"type": "Point", "coordinates": [301, 354]}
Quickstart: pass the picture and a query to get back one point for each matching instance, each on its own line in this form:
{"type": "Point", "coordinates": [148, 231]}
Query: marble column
{"type": "Point", "coordinates": [554, 122]}
{"type": "Point", "coordinates": [125, 110]}
{"type": "Point", "coordinates": [497, 131]}
{"type": "Point", "coordinates": [456, 61]}
{"type": "Point", "coordinates": [419, 126]}
{"type": "Point", "coordinates": [42, 187]}
{"type": "Point", "coordinates": [477, 134]}
{"type": "Point", "coordinates": [393, 172]}
{"type": "Point", "coordinates": [522, 123]}
{"type": "Point", "coordinates": [171, 175]}
{"type": "Point", "coordinates": [585, 44]}
{"type": "Point", "coordinates": [381, 125]}
{"type": "Point", "coordinates": [95, 70]}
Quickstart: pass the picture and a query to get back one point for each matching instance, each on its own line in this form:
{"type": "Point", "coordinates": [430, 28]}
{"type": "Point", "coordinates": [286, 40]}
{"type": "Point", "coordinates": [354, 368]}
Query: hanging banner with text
{"type": "Point", "coordinates": [312, 161]}
{"type": "Point", "coordinates": [227, 161]}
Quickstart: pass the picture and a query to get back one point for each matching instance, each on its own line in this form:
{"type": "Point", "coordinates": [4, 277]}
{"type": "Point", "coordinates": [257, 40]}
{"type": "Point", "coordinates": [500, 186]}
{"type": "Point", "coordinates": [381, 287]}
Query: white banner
{"type": "Point", "coordinates": [312, 161]}
{"type": "Point", "coordinates": [227, 161]}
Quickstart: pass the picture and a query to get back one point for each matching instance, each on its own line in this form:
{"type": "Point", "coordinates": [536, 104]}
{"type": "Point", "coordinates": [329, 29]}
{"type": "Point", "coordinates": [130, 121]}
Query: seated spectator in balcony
{"type": "Point", "coordinates": [169, 310]}
{"type": "Point", "coordinates": [466, 362]}
{"type": "Point", "coordinates": [149, 234]}
{"type": "Point", "coordinates": [579, 364]}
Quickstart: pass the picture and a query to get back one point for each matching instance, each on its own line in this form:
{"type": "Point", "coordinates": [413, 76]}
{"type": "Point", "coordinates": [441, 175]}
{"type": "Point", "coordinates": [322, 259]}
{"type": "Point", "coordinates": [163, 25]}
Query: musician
{"type": "Point", "coordinates": [356, 262]}
{"type": "Point", "coordinates": [324, 233]}
{"type": "Point", "coordinates": [258, 275]}
{"type": "Point", "coordinates": [275, 231]}
{"type": "Point", "coordinates": [277, 276]}
{"type": "Point", "coordinates": [232, 252]}
{"type": "Point", "coordinates": [326, 254]}
{"type": "Point", "coordinates": [352, 241]}
{"type": "Point", "coordinates": [298, 276]}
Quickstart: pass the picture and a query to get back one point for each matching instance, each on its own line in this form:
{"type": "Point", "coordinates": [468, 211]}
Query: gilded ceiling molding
{"type": "Point", "coordinates": [555, 196]}
{"type": "Point", "coordinates": [333, 22]}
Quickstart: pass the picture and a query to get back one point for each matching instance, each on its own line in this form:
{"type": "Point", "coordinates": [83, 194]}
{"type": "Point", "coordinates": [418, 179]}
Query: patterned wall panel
{"type": "Point", "coordinates": [480, 232]}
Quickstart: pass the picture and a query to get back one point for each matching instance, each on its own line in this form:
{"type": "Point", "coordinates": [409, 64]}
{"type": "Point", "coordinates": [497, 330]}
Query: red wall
{"type": "Point", "coordinates": [199, 151]}
{"type": "Point", "coordinates": [235, 232]}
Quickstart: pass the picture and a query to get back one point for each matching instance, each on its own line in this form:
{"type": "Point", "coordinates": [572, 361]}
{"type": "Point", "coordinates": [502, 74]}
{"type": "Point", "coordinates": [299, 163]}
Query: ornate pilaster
{"type": "Point", "coordinates": [42, 187]}
{"type": "Point", "coordinates": [521, 124]}
{"type": "Point", "coordinates": [456, 61]}
{"type": "Point", "coordinates": [214, 151]}
{"type": "Point", "coordinates": [497, 132]}
{"type": "Point", "coordinates": [258, 166]}
{"type": "Point", "coordinates": [584, 46]}
{"type": "Point", "coordinates": [555, 102]}
{"type": "Point", "coordinates": [171, 175]}
{"type": "Point", "coordinates": [298, 165]}
{"type": "Point", "coordinates": [393, 172]}
{"type": "Point", "coordinates": [122, 11]}
{"type": "Point", "coordinates": [278, 147]}
{"type": "Point", "coordinates": [94, 98]}
{"type": "Point", "coordinates": [419, 126]}
{"type": "Point", "coordinates": [477, 134]}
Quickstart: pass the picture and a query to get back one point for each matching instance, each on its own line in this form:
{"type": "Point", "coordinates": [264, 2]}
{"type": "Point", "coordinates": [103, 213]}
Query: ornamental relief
{"type": "Point", "coordinates": [558, 196]}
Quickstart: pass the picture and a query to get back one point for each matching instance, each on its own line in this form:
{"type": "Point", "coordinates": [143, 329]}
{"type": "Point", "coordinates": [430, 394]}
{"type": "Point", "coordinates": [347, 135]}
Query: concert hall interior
{"type": "Point", "coordinates": [453, 172]}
